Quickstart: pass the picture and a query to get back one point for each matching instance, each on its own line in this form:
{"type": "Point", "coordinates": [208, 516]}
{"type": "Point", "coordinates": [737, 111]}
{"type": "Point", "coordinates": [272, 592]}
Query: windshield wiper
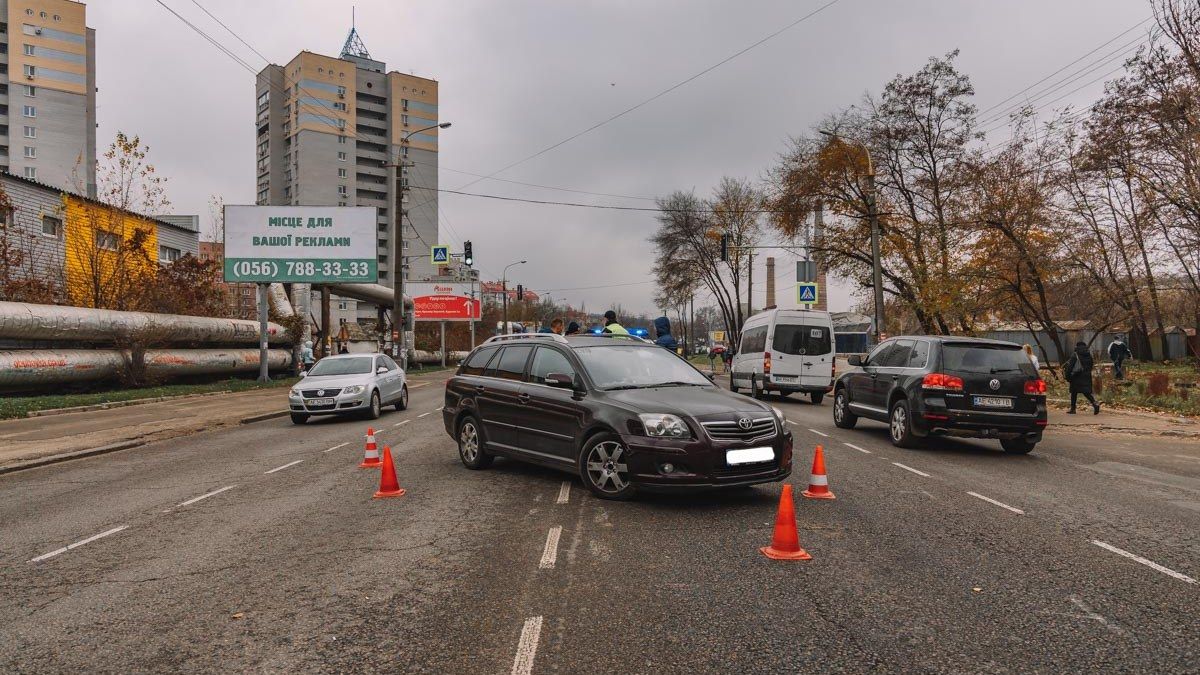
{"type": "Point", "coordinates": [621, 387]}
{"type": "Point", "coordinates": [678, 384]}
{"type": "Point", "coordinates": [1004, 370]}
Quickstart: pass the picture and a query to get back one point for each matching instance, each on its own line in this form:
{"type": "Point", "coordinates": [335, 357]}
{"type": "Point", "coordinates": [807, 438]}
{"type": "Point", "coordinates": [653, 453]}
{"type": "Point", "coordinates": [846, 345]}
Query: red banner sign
{"type": "Point", "coordinates": [445, 308]}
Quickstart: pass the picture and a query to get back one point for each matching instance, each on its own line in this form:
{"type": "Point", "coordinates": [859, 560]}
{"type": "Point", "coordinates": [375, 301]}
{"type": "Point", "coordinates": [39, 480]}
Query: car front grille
{"type": "Point", "coordinates": [729, 430]}
{"type": "Point", "coordinates": [312, 393]}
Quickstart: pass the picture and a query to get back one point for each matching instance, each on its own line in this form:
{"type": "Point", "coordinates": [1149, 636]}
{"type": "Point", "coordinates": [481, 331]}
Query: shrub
{"type": "Point", "coordinates": [1098, 385]}
{"type": "Point", "coordinates": [1159, 384]}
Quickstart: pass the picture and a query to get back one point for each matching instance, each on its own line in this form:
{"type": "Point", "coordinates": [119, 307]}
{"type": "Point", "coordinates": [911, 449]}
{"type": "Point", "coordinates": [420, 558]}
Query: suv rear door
{"type": "Point", "coordinates": [993, 376]}
{"type": "Point", "coordinates": [497, 395]}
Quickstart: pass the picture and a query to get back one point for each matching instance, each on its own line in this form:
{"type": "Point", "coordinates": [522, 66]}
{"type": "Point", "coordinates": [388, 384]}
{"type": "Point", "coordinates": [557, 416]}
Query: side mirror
{"type": "Point", "coordinates": [855, 359]}
{"type": "Point", "coordinates": [712, 377]}
{"type": "Point", "coordinates": [303, 373]}
{"type": "Point", "coordinates": [381, 370]}
{"type": "Point", "coordinates": [560, 380]}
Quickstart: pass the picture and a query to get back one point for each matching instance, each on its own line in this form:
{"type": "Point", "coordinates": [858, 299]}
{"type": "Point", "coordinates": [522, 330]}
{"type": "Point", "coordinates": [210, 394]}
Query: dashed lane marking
{"type": "Point", "coordinates": [527, 646]}
{"type": "Point", "coordinates": [79, 543]}
{"type": "Point", "coordinates": [550, 553]}
{"type": "Point", "coordinates": [791, 422]}
{"type": "Point", "coordinates": [819, 433]}
{"type": "Point", "coordinates": [340, 445]}
{"type": "Point", "coordinates": [1148, 563]}
{"type": "Point", "coordinates": [401, 423]}
{"type": "Point", "coordinates": [564, 492]}
{"type": "Point", "coordinates": [193, 500]}
{"type": "Point", "coordinates": [909, 468]}
{"type": "Point", "coordinates": [439, 409]}
{"type": "Point", "coordinates": [422, 415]}
{"type": "Point", "coordinates": [1000, 504]}
{"type": "Point", "coordinates": [281, 468]}
{"type": "Point", "coordinates": [851, 445]}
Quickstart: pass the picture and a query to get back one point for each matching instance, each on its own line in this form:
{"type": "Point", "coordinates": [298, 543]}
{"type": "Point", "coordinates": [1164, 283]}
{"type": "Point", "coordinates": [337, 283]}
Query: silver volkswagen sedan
{"type": "Point", "coordinates": [348, 384]}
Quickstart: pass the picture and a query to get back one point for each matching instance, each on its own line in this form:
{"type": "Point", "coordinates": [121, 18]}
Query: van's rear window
{"type": "Point", "coordinates": [791, 339]}
{"type": "Point", "coordinates": [981, 358]}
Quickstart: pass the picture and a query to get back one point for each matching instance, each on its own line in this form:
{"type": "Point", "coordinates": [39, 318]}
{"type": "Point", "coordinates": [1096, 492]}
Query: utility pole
{"type": "Point", "coordinates": [323, 348]}
{"type": "Point", "coordinates": [264, 374]}
{"type": "Point", "coordinates": [750, 286]}
{"type": "Point", "coordinates": [876, 267]}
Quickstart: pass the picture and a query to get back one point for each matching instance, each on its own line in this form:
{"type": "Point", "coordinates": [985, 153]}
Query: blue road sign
{"type": "Point", "coordinates": [439, 255]}
{"type": "Point", "coordinates": [807, 293]}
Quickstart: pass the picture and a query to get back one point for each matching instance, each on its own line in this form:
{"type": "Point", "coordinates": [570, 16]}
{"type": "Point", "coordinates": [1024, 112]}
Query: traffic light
{"type": "Point", "coordinates": [520, 292]}
{"type": "Point", "coordinates": [724, 248]}
{"type": "Point", "coordinates": [468, 257]}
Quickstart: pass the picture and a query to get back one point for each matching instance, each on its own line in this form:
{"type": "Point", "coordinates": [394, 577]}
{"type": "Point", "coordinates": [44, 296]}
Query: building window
{"type": "Point", "coordinates": [383, 258]}
{"type": "Point", "coordinates": [404, 104]}
{"type": "Point", "coordinates": [341, 156]}
{"type": "Point", "coordinates": [341, 203]}
{"type": "Point", "coordinates": [264, 98]}
{"type": "Point", "coordinates": [30, 111]}
{"type": "Point", "coordinates": [30, 71]}
{"type": "Point", "coordinates": [28, 50]}
{"type": "Point", "coordinates": [341, 305]}
{"type": "Point", "coordinates": [382, 243]}
{"type": "Point", "coordinates": [404, 151]}
{"type": "Point", "coordinates": [30, 152]}
{"type": "Point", "coordinates": [168, 254]}
{"type": "Point", "coordinates": [30, 90]}
{"type": "Point", "coordinates": [383, 274]}
{"type": "Point", "coordinates": [404, 120]}
{"type": "Point", "coordinates": [341, 173]}
{"type": "Point", "coordinates": [57, 17]}
{"type": "Point", "coordinates": [30, 132]}
{"type": "Point", "coordinates": [341, 91]}
{"type": "Point", "coordinates": [31, 172]}
{"type": "Point", "coordinates": [106, 241]}
{"type": "Point", "coordinates": [341, 140]}
{"type": "Point", "coordinates": [52, 227]}
{"type": "Point", "coordinates": [29, 12]}
{"type": "Point", "coordinates": [42, 14]}
{"type": "Point", "coordinates": [341, 124]}
{"type": "Point", "coordinates": [342, 190]}
{"type": "Point", "coordinates": [338, 105]}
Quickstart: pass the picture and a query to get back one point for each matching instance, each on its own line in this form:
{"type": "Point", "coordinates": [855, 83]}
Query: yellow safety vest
{"type": "Point", "coordinates": [616, 329]}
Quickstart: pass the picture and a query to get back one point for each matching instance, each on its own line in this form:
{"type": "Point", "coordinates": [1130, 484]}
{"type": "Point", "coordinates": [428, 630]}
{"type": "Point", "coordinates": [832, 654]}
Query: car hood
{"type": "Point", "coordinates": [331, 381]}
{"type": "Point", "coordinates": [688, 401]}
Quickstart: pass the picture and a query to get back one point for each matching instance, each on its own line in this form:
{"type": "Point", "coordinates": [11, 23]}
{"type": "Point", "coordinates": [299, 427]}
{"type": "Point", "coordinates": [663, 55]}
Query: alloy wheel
{"type": "Point", "coordinates": [468, 441]}
{"type": "Point", "coordinates": [606, 469]}
{"type": "Point", "coordinates": [899, 423]}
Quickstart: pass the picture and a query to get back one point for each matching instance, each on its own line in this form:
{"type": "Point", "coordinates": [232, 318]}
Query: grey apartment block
{"type": "Point", "coordinates": [37, 229]}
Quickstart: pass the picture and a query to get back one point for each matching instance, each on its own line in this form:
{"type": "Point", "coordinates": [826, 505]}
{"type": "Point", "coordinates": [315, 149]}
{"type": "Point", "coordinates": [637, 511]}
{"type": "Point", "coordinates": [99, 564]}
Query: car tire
{"type": "Point", "coordinates": [299, 418]}
{"type": "Point", "coordinates": [376, 408]}
{"type": "Point", "coordinates": [402, 402]}
{"type": "Point", "coordinates": [732, 387]}
{"type": "Point", "coordinates": [843, 418]}
{"type": "Point", "coordinates": [1017, 446]}
{"type": "Point", "coordinates": [900, 425]}
{"type": "Point", "coordinates": [470, 444]}
{"type": "Point", "coordinates": [600, 467]}
{"type": "Point", "coordinates": [816, 397]}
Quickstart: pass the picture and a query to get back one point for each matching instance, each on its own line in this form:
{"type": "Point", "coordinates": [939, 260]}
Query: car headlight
{"type": "Point", "coordinates": [353, 389]}
{"type": "Point", "coordinates": [294, 392]}
{"type": "Point", "coordinates": [778, 414]}
{"type": "Point", "coordinates": [665, 426]}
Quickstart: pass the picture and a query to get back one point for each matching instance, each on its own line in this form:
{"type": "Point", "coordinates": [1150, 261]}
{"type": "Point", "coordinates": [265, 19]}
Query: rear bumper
{"type": "Point", "coordinates": [700, 464]}
{"type": "Point", "coordinates": [938, 420]}
{"type": "Point", "coordinates": [798, 388]}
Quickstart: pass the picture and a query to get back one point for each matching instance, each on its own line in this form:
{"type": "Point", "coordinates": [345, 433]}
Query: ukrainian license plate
{"type": "Point", "coordinates": [786, 378]}
{"type": "Point", "coordinates": [749, 456]}
{"type": "Point", "coordinates": [993, 402]}
{"type": "Point", "coordinates": [320, 401]}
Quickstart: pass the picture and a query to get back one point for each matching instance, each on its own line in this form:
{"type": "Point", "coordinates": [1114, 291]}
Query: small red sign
{"type": "Point", "coordinates": [445, 308]}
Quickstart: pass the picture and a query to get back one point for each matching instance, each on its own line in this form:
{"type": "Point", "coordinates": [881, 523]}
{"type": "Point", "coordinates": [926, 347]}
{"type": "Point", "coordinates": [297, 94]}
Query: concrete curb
{"type": "Point", "coordinates": [121, 404]}
{"type": "Point", "coordinates": [264, 416]}
{"type": "Point", "coordinates": [67, 456]}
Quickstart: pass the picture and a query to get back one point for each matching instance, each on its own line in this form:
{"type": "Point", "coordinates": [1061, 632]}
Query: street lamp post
{"type": "Point", "coordinates": [504, 291]}
{"type": "Point", "coordinates": [399, 319]}
{"type": "Point", "coordinates": [873, 217]}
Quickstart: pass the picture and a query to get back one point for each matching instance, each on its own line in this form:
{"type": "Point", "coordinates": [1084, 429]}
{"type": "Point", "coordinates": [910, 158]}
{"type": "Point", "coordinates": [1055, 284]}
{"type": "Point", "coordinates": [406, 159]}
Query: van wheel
{"type": "Point", "coordinates": [1017, 446]}
{"type": "Point", "coordinates": [817, 397]}
{"type": "Point", "coordinates": [843, 418]}
{"type": "Point", "coordinates": [900, 426]}
{"type": "Point", "coordinates": [732, 386]}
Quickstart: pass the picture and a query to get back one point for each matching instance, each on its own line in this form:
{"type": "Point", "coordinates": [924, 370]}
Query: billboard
{"type": "Point", "coordinates": [307, 244]}
{"type": "Point", "coordinates": [443, 302]}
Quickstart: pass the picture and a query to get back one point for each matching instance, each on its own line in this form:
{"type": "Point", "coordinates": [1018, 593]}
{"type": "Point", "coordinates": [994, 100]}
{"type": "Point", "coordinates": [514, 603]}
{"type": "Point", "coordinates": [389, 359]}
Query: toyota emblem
{"type": "Point", "coordinates": [745, 423]}
{"type": "Point", "coordinates": [994, 384]}
{"type": "Point", "coordinates": [321, 392]}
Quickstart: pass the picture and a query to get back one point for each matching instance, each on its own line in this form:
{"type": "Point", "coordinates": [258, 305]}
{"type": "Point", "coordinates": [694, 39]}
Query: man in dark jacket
{"type": "Point", "coordinates": [662, 334]}
{"type": "Point", "coordinates": [573, 328]}
{"type": "Point", "coordinates": [1118, 351]}
{"type": "Point", "coordinates": [1078, 371]}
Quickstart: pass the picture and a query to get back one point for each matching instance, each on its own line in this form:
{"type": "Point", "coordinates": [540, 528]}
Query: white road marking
{"type": "Point", "coordinates": [397, 424]}
{"type": "Point", "coordinates": [819, 433]}
{"type": "Point", "coordinates": [909, 468]}
{"type": "Point", "coordinates": [342, 445]}
{"type": "Point", "coordinates": [1148, 563]}
{"type": "Point", "coordinates": [564, 492]}
{"type": "Point", "coordinates": [527, 646]}
{"type": "Point", "coordinates": [993, 501]}
{"type": "Point", "coordinates": [439, 409]}
{"type": "Point", "coordinates": [422, 415]}
{"type": "Point", "coordinates": [193, 500]}
{"type": "Point", "coordinates": [851, 445]}
{"type": "Point", "coordinates": [281, 468]}
{"type": "Point", "coordinates": [791, 422]}
{"type": "Point", "coordinates": [1194, 459]}
{"type": "Point", "coordinates": [77, 544]}
{"type": "Point", "coordinates": [550, 553]}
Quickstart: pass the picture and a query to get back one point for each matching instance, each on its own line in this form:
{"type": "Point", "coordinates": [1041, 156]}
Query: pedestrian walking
{"type": "Point", "coordinates": [1078, 371]}
{"type": "Point", "coordinates": [662, 334]}
{"type": "Point", "coordinates": [573, 328]}
{"type": "Point", "coordinates": [1032, 357]}
{"type": "Point", "coordinates": [343, 349]}
{"type": "Point", "coordinates": [556, 326]}
{"type": "Point", "coordinates": [611, 325]}
{"type": "Point", "coordinates": [1118, 351]}
{"type": "Point", "coordinates": [306, 355]}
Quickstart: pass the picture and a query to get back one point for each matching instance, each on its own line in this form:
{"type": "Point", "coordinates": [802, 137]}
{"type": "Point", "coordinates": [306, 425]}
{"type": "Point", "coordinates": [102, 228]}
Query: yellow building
{"type": "Point", "coordinates": [109, 253]}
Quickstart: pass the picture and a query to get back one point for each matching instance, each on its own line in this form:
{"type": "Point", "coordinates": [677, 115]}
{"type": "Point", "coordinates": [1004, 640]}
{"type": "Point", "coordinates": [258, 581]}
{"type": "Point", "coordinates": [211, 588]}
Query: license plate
{"type": "Point", "coordinates": [749, 456]}
{"type": "Point", "coordinates": [785, 378]}
{"type": "Point", "coordinates": [320, 401]}
{"type": "Point", "coordinates": [993, 402]}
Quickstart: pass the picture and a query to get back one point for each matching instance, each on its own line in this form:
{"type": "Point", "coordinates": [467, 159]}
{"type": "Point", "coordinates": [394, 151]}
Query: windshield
{"type": "Point", "coordinates": [620, 367]}
{"type": "Point", "coordinates": [977, 358]}
{"type": "Point", "coordinates": [355, 366]}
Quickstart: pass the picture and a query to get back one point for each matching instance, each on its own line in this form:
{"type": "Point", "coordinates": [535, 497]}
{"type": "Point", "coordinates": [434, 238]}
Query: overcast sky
{"type": "Point", "coordinates": [519, 75]}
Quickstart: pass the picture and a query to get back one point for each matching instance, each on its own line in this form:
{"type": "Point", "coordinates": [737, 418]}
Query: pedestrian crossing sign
{"type": "Point", "coordinates": [439, 255]}
{"type": "Point", "coordinates": [807, 293]}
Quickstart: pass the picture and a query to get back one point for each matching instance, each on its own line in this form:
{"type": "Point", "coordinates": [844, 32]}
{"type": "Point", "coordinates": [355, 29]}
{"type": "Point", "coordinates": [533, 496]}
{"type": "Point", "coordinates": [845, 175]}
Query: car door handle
{"type": "Point", "coordinates": [523, 398]}
{"type": "Point", "coordinates": [480, 388]}
{"type": "Point", "coordinates": [874, 376]}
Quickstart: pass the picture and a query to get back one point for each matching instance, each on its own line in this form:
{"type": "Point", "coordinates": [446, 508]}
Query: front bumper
{"type": "Point", "coordinates": [342, 403]}
{"type": "Point", "coordinates": [700, 464]}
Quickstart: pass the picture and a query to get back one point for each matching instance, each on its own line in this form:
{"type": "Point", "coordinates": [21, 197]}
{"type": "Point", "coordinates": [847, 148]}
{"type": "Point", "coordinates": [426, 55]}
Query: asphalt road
{"type": "Point", "coordinates": [954, 558]}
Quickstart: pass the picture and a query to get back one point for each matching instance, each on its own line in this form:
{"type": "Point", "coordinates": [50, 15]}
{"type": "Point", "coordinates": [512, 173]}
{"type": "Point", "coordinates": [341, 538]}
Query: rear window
{"type": "Point", "coordinates": [477, 361]}
{"type": "Point", "coordinates": [511, 363]}
{"type": "Point", "coordinates": [979, 358]}
{"type": "Point", "coordinates": [798, 340]}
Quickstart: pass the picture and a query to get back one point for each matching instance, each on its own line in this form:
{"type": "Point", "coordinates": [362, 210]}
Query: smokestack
{"type": "Point", "coordinates": [770, 283]}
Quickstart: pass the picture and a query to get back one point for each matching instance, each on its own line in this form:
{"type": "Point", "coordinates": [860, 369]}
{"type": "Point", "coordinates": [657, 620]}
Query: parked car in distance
{"type": "Point", "coordinates": [945, 386]}
{"type": "Point", "coordinates": [349, 384]}
{"type": "Point", "coordinates": [620, 412]}
{"type": "Point", "coordinates": [785, 351]}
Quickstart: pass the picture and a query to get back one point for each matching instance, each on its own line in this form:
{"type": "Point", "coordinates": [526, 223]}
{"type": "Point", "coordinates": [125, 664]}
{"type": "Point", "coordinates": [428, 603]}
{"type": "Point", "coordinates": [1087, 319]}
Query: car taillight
{"type": "Point", "coordinates": [1035, 387]}
{"type": "Point", "coordinates": [766, 363]}
{"type": "Point", "coordinates": [942, 381]}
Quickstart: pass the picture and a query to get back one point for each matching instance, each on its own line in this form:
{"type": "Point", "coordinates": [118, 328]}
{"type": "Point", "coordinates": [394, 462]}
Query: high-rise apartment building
{"type": "Point", "coordinates": [327, 128]}
{"type": "Point", "coordinates": [48, 93]}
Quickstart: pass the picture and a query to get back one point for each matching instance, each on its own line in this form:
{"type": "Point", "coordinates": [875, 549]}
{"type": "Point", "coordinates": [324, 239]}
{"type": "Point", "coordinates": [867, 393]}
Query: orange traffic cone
{"type": "Point", "coordinates": [388, 485]}
{"type": "Point", "coordinates": [818, 483]}
{"type": "Point", "coordinates": [371, 455]}
{"type": "Point", "coordinates": [785, 542]}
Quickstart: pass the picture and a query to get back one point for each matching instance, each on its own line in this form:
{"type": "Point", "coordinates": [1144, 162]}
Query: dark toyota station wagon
{"type": "Point", "coordinates": [620, 412]}
{"type": "Point", "coordinates": [933, 386]}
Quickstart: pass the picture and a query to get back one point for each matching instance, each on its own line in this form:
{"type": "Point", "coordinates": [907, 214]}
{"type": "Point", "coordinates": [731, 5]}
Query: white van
{"type": "Point", "coordinates": [785, 351]}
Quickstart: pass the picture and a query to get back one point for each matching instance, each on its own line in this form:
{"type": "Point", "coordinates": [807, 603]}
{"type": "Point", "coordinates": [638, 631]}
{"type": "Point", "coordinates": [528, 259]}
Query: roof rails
{"type": "Point", "coordinates": [616, 336]}
{"type": "Point", "coordinates": [527, 336]}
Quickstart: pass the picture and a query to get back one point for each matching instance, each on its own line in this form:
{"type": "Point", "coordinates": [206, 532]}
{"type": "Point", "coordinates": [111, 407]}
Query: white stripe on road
{"type": "Point", "coordinates": [527, 646]}
{"type": "Point", "coordinates": [791, 422]}
{"type": "Point", "coordinates": [422, 415]}
{"type": "Point", "coordinates": [338, 446]}
{"type": "Point", "coordinates": [993, 501]}
{"type": "Point", "coordinates": [281, 468]}
{"type": "Point", "coordinates": [77, 544]}
{"type": "Point", "coordinates": [1148, 563]}
{"type": "Point", "coordinates": [550, 553]}
{"type": "Point", "coordinates": [909, 468]}
{"type": "Point", "coordinates": [193, 500]}
{"type": "Point", "coordinates": [825, 435]}
{"type": "Point", "coordinates": [401, 423]}
{"type": "Point", "coordinates": [439, 409]}
{"type": "Point", "coordinates": [564, 492]}
{"type": "Point", "coordinates": [851, 445]}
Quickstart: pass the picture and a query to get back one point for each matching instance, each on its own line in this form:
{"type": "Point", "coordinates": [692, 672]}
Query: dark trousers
{"type": "Point", "coordinates": [1119, 368]}
{"type": "Point", "coordinates": [1087, 394]}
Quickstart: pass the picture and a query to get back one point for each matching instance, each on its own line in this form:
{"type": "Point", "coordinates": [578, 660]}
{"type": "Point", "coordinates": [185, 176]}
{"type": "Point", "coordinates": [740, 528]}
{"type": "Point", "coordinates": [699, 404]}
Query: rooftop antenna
{"type": "Point", "coordinates": [354, 45]}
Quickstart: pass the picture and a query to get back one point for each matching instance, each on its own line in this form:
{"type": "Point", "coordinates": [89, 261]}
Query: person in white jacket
{"type": "Point", "coordinates": [1032, 357]}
